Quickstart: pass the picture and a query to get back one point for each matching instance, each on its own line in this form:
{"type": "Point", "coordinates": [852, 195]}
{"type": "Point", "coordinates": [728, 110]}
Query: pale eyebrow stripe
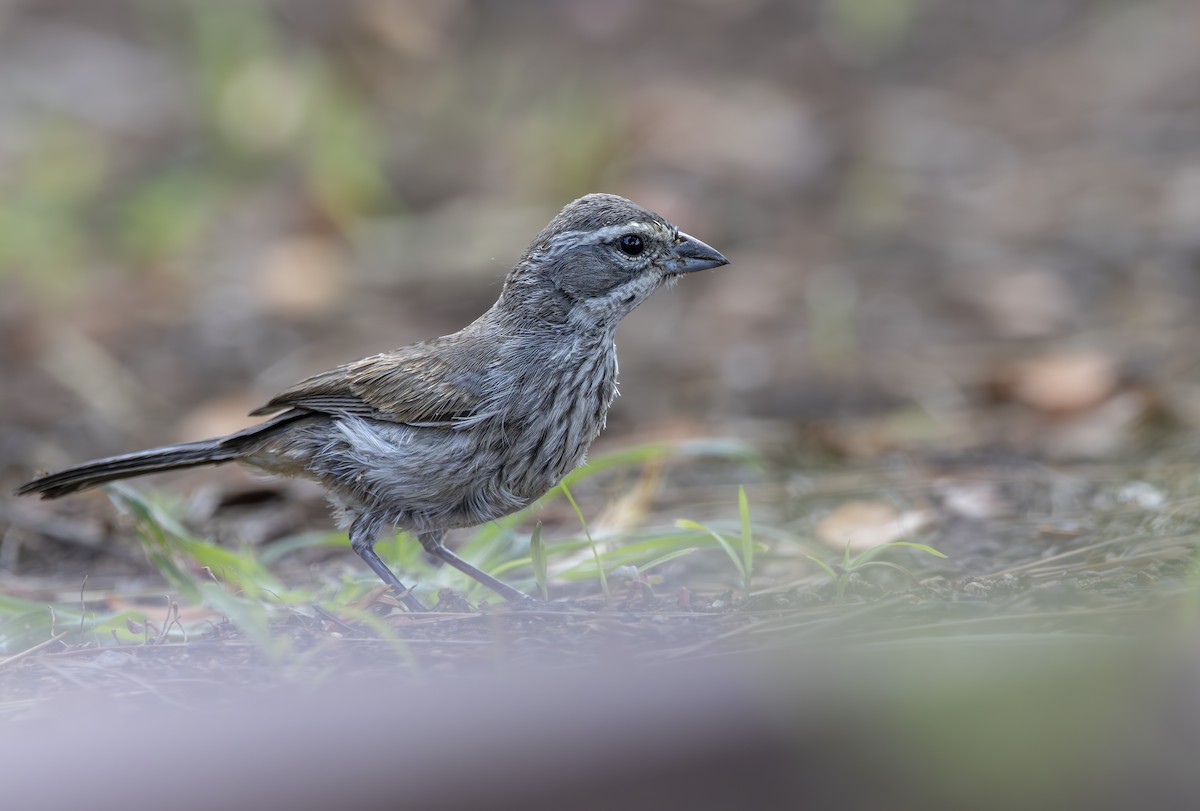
{"type": "Point", "coordinates": [603, 234]}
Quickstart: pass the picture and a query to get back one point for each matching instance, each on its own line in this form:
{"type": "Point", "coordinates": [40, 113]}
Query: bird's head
{"type": "Point", "coordinates": [603, 255]}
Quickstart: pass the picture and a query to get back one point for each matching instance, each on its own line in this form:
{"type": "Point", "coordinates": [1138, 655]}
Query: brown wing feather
{"type": "Point", "coordinates": [422, 383]}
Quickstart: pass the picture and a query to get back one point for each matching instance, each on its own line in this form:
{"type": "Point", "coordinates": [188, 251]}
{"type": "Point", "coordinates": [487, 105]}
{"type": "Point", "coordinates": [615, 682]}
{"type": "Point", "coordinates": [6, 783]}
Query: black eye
{"type": "Point", "coordinates": [631, 244]}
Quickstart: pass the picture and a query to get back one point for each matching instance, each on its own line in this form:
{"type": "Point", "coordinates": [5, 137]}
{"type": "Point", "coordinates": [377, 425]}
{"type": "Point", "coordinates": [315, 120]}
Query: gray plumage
{"type": "Point", "coordinates": [469, 427]}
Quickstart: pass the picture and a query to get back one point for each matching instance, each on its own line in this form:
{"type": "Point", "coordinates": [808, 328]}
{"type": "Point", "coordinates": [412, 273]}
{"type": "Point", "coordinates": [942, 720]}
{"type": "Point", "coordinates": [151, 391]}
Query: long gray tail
{"type": "Point", "coordinates": [155, 460]}
{"type": "Point", "coordinates": [89, 474]}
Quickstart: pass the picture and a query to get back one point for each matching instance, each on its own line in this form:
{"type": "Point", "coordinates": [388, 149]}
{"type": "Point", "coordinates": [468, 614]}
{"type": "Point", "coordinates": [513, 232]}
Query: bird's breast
{"type": "Point", "coordinates": [560, 407]}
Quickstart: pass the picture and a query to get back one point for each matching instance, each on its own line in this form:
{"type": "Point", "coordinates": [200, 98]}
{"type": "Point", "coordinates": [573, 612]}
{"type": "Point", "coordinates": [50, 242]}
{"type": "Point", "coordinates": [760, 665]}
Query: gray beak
{"type": "Point", "coordinates": [690, 254]}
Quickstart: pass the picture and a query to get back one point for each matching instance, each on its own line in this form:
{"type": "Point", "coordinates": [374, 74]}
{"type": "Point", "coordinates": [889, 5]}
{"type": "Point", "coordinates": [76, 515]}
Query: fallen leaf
{"type": "Point", "coordinates": [865, 524]}
{"type": "Point", "coordinates": [1064, 381]}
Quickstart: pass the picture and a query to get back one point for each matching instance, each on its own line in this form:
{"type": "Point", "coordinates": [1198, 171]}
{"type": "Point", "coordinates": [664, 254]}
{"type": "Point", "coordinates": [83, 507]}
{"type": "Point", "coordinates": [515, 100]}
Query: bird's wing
{"type": "Point", "coordinates": [426, 383]}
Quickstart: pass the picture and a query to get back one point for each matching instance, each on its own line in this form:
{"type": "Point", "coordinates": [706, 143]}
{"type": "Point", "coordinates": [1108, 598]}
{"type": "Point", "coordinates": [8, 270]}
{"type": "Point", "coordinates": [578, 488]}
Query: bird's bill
{"type": "Point", "coordinates": [690, 254]}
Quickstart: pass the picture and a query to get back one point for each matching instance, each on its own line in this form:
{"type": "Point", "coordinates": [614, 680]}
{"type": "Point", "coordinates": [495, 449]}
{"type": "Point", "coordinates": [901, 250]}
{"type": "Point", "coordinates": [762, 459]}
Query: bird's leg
{"type": "Point", "coordinates": [363, 534]}
{"type": "Point", "coordinates": [432, 542]}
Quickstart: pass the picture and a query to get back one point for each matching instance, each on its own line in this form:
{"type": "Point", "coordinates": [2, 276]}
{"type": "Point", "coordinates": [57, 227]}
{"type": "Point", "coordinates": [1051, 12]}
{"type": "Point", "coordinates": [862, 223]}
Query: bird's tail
{"type": "Point", "coordinates": [155, 460]}
{"type": "Point", "coordinates": [99, 471]}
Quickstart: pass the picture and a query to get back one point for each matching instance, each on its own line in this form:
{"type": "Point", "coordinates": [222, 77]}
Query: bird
{"type": "Point", "coordinates": [463, 429]}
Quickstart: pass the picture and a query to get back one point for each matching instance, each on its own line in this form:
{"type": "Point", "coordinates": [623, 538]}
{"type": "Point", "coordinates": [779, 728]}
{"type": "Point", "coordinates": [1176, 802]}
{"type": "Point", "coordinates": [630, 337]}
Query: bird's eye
{"type": "Point", "coordinates": [631, 244]}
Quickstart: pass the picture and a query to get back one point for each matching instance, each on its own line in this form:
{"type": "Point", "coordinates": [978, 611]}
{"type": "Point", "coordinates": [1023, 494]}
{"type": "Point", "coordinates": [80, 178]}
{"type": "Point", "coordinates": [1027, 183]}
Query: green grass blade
{"type": "Point", "coordinates": [733, 556]}
{"type": "Point", "coordinates": [276, 551]}
{"type": "Point", "coordinates": [537, 551]}
{"type": "Point", "coordinates": [747, 540]}
{"type": "Point", "coordinates": [591, 542]}
{"type": "Point", "coordinates": [825, 567]}
{"type": "Point", "coordinates": [510, 565]}
{"type": "Point", "coordinates": [637, 553]}
{"type": "Point", "coordinates": [889, 565]}
{"type": "Point", "coordinates": [865, 556]}
{"type": "Point", "coordinates": [667, 558]}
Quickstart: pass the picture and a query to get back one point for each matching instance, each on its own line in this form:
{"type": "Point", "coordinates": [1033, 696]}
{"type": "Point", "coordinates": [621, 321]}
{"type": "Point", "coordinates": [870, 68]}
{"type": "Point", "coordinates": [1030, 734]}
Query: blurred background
{"type": "Point", "coordinates": [952, 224]}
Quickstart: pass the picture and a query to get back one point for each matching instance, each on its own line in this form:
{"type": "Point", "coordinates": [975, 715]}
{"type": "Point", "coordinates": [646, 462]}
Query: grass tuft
{"type": "Point", "coordinates": [840, 575]}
